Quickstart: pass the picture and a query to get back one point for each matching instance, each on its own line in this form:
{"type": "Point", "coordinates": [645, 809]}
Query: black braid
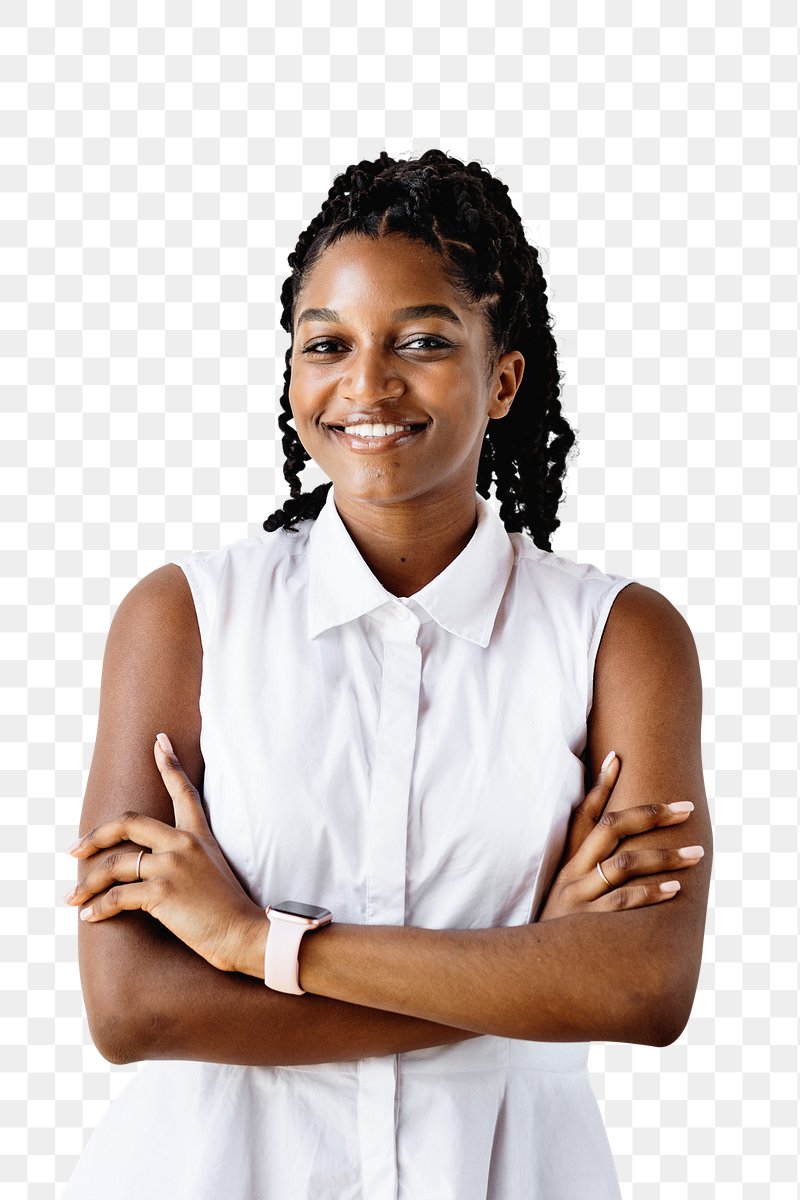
{"type": "Point", "coordinates": [466, 215]}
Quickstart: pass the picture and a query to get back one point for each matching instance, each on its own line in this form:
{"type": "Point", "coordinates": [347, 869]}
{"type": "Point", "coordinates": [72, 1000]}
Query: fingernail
{"type": "Point", "coordinates": [672, 886]}
{"type": "Point", "coordinates": [68, 896]}
{"type": "Point", "coordinates": [691, 852]}
{"type": "Point", "coordinates": [74, 846]}
{"type": "Point", "coordinates": [607, 761]}
{"type": "Point", "coordinates": [164, 743]}
{"type": "Point", "coordinates": [681, 806]}
{"type": "Point", "coordinates": [87, 912]}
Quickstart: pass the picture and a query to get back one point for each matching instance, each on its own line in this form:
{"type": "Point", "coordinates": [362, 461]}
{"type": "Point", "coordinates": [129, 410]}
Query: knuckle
{"type": "Point", "coordinates": [651, 811]}
{"type": "Point", "coordinates": [608, 820]}
{"type": "Point", "coordinates": [111, 860]}
{"type": "Point", "coordinates": [129, 814]}
{"type": "Point", "coordinates": [666, 858]}
{"type": "Point", "coordinates": [113, 896]}
{"type": "Point", "coordinates": [619, 898]}
{"type": "Point", "coordinates": [623, 861]}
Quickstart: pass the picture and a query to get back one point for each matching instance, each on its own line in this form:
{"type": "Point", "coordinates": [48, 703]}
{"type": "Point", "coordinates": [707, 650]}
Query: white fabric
{"type": "Point", "coordinates": [400, 762]}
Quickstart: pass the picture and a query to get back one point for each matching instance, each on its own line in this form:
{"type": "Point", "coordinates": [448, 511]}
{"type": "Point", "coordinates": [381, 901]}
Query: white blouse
{"type": "Point", "coordinates": [401, 761]}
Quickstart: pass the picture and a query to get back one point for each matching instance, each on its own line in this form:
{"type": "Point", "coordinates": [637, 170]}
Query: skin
{"type": "Point", "coordinates": [598, 965]}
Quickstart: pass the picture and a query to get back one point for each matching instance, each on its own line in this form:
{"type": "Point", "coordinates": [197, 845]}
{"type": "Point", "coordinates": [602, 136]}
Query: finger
{"type": "Point", "coordinates": [117, 867]}
{"type": "Point", "coordinates": [189, 812]}
{"type": "Point", "coordinates": [125, 897]}
{"type": "Point", "coordinates": [636, 896]}
{"type": "Point", "coordinates": [129, 826]}
{"type": "Point", "coordinates": [632, 864]}
{"type": "Point", "coordinates": [616, 824]}
{"type": "Point", "coordinates": [585, 816]}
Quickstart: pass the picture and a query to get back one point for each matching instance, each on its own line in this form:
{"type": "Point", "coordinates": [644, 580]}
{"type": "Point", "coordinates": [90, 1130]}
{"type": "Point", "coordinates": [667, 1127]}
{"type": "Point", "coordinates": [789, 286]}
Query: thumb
{"type": "Point", "coordinates": [189, 812]}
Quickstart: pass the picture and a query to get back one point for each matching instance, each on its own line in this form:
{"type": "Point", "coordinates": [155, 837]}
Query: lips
{"type": "Point", "coordinates": [370, 445]}
{"type": "Point", "coordinates": [348, 422]}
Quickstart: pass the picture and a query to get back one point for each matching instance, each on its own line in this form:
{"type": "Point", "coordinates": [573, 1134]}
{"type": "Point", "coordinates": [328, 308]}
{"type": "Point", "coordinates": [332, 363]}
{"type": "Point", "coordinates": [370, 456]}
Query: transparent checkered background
{"type": "Point", "coordinates": [156, 165]}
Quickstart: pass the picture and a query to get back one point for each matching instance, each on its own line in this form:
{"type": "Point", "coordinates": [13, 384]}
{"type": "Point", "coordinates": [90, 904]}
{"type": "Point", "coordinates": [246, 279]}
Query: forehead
{"type": "Point", "coordinates": [386, 271]}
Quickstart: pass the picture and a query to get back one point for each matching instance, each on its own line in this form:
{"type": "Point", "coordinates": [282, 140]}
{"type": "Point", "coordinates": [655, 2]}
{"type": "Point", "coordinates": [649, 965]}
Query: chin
{"type": "Point", "coordinates": [375, 485]}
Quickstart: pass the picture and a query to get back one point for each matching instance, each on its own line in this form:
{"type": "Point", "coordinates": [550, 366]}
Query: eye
{"type": "Point", "coordinates": [319, 347]}
{"type": "Point", "coordinates": [434, 343]}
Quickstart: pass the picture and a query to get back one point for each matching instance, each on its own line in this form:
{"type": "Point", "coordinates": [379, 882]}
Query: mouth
{"type": "Point", "coordinates": [370, 444]}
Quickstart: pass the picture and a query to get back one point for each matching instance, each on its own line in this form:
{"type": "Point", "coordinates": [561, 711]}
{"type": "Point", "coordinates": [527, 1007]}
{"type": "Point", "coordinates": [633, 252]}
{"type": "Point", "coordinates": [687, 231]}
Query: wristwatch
{"type": "Point", "coordinates": [289, 920]}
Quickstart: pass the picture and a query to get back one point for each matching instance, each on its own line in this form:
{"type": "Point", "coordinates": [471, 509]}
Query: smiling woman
{"type": "Point", "coordinates": [387, 788]}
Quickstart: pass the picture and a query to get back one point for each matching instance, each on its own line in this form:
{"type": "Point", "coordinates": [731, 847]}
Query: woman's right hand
{"type": "Point", "coordinates": [597, 834]}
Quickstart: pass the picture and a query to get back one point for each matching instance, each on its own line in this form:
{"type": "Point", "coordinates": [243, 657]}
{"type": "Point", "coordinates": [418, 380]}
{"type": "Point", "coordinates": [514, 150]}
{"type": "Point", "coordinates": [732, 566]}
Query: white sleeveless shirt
{"type": "Point", "coordinates": [402, 762]}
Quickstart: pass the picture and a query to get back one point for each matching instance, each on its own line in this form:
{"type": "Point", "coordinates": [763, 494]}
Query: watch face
{"type": "Point", "coordinates": [301, 910]}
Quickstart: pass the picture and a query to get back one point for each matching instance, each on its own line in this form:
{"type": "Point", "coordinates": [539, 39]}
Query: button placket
{"type": "Point", "coordinates": [386, 876]}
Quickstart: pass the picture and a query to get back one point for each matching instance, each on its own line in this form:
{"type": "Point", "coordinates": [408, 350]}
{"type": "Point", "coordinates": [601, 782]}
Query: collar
{"type": "Point", "coordinates": [463, 599]}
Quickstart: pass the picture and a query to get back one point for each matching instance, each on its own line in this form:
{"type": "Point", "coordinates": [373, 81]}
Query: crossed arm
{"type": "Point", "coordinates": [622, 976]}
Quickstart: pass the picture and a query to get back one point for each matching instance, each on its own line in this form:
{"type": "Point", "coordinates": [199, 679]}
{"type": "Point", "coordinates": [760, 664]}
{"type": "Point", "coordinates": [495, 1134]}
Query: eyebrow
{"type": "Point", "coordinates": [416, 312]}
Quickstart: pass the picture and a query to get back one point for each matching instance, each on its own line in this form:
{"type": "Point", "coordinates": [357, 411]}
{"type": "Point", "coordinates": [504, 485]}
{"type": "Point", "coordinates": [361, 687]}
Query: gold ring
{"type": "Point", "coordinates": [602, 876]}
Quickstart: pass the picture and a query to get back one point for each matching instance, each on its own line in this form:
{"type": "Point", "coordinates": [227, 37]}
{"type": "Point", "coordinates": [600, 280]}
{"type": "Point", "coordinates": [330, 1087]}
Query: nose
{"type": "Point", "coordinates": [371, 375]}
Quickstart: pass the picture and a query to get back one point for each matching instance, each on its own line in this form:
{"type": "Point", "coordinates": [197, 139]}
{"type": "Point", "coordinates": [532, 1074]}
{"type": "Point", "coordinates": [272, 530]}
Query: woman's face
{"type": "Point", "coordinates": [382, 338]}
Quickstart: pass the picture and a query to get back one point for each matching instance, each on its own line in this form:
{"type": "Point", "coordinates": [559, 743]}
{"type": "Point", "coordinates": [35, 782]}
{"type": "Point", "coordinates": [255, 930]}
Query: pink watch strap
{"type": "Point", "coordinates": [281, 965]}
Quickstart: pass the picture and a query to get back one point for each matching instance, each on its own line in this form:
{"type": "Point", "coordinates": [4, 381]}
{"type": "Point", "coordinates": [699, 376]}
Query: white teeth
{"type": "Point", "coordinates": [374, 430]}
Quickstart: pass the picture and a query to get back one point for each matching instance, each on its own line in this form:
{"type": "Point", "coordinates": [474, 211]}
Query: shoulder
{"type": "Point", "coordinates": [253, 556]}
{"type": "Point", "coordinates": [554, 570]}
{"type": "Point", "coordinates": [170, 604]}
{"type": "Point", "coordinates": [647, 674]}
{"type": "Point", "coordinates": [160, 604]}
{"type": "Point", "coordinates": [577, 595]}
{"type": "Point", "coordinates": [241, 573]}
{"type": "Point", "coordinates": [643, 625]}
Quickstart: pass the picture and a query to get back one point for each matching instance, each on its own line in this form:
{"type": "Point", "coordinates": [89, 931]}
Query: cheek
{"type": "Point", "coordinates": [308, 392]}
{"type": "Point", "coordinates": [299, 402]}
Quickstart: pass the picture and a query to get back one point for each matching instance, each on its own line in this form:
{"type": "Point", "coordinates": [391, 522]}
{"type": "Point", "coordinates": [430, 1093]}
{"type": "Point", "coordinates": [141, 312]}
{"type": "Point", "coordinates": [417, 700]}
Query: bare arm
{"type": "Point", "coordinates": [624, 976]}
{"type": "Point", "coordinates": [146, 994]}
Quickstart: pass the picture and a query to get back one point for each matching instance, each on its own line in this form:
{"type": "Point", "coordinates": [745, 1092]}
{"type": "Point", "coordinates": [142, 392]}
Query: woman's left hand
{"type": "Point", "coordinates": [595, 836]}
{"type": "Point", "coordinates": [186, 882]}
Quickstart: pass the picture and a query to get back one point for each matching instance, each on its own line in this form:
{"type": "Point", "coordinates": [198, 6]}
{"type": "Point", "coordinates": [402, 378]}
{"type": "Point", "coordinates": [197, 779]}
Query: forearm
{"type": "Point", "coordinates": [180, 1007]}
{"type": "Point", "coordinates": [581, 978]}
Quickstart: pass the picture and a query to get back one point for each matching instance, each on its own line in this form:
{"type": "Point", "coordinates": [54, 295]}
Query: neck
{"type": "Point", "coordinates": [407, 545]}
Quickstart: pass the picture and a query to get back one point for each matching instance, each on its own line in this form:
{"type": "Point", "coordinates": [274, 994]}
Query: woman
{"type": "Point", "coordinates": [390, 700]}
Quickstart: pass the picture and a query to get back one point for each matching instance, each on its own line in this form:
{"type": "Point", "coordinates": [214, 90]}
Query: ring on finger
{"type": "Point", "coordinates": [139, 865]}
{"type": "Point", "coordinates": [602, 876]}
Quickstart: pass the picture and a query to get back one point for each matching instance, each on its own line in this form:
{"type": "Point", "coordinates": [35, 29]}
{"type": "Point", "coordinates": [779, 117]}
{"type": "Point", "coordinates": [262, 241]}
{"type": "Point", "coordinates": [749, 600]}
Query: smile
{"type": "Point", "coordinates": [369, 442]}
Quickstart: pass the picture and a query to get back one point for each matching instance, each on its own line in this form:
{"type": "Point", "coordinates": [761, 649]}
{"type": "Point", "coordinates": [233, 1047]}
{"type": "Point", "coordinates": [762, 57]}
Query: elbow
{"type": "Point", "coordinates": [672, 1025]}
{"type": "Point", "coordinates": [114, 994]}
{"type": "Point", "coordinates": [117, 1037]}
{"type": "Point", "coordinates": [660, 1031]}
{"type": "Point", "coordinates": [115, 1019]}
{"type": "Point", "coordinates": [660, 1018]}
{"type": "Point", "coordinates": [125, 1030]}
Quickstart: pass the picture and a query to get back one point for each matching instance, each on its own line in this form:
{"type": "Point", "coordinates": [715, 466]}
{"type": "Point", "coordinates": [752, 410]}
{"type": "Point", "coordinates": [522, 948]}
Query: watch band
{"type": "Point", "coordinates": [281, 956]}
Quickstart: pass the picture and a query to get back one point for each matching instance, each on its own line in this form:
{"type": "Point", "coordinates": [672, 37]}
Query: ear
{"type": "Point", "coordinates": [506, 378]}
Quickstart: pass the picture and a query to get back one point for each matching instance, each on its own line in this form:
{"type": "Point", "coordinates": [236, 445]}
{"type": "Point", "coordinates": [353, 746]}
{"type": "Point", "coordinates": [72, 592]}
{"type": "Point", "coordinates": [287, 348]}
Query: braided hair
{"type": "Point", "coordinates": [465, 214]}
